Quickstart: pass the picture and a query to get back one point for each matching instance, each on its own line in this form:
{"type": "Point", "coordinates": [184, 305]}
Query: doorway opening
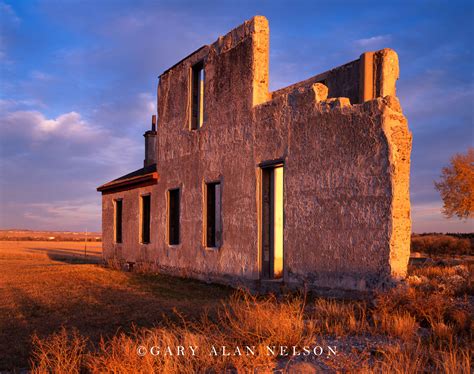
{"type": "Point", "coordinates": [272, 222]}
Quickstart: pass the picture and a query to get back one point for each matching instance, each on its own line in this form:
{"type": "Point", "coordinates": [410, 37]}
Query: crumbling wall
{"type": "Point", "coordinates": [345, 146]}
{"type": "Point", "coordinates": [346, 192]}
{"type": "Point", "coordinates": [236, 73]}
{"type": "Point", "coordinates": [343, 81]}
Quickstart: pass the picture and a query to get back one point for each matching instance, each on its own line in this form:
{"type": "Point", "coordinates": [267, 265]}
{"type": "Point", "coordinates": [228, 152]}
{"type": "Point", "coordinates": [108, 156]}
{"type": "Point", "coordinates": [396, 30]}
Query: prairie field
{"type": "Point", "coordinates": [62, 311]}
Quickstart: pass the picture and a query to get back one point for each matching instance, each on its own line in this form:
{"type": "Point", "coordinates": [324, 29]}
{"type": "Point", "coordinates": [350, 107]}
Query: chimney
{"type": "Point", "coordinates": [150, 144]}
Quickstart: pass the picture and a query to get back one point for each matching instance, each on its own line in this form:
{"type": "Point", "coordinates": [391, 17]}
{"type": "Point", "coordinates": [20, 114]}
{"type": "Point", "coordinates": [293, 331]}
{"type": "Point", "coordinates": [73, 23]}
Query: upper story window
{"type": "Point", "coordinates": [197, 95]}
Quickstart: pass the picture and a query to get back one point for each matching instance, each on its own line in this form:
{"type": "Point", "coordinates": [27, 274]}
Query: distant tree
{"type": "Point", "coordinates": [456, 186]}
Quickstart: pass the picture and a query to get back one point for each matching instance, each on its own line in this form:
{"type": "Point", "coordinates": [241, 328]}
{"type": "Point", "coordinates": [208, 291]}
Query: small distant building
{"type": "Point", "coordinates": [306, 185]}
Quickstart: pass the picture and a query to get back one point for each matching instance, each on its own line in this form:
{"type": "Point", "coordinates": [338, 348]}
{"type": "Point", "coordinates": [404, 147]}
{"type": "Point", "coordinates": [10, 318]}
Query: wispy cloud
{"type": "Point", "coordinates": [75, 214]}
{"type": "Point", "coordinates": [42, 76]}
{"type": "Point", "coordinates": [8, 14]}
{"type": "Point", "coordinates": [374, 42]}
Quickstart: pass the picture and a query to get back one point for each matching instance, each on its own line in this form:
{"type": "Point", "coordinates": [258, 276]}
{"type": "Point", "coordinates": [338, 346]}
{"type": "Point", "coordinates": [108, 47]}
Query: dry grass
{"type": "Point", "coordinates": [405, 330]}
{"type": "Point", "coordinates": [61, 353]}
{"type": "Point", "coordinates": [265, 320]}
{"type": "Point", "coordinates": [47, 285]}
{"type": "Point", "coordinates": [339, 319]}
{"type": "Point", "coordinates": [399, 325]}
{"type": "Point", "coordinates": [57, 236]}
{"type": "Point", "coordinates": [248, 320]}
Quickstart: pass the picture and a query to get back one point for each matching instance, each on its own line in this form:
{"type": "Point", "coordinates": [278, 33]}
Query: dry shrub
{"type": "Point", "coordinates": [449, 280]}
{"type": "Point", "coordinates": [338, 318]}
{"type": "Point", "coordinates": [59, 353]}
{"type": "Point", "coordinates": [461, 319]}
{"type": "Point", "coordinates": [423, 306]}
{"type": "Point", "coordinates": [441, 245]}
{"type": "Point", "coordinates": [441, 333]}
{"type": "Point", "coordinates": [399, 324]}
{"type": "Point", "coordinates": [419, 357]}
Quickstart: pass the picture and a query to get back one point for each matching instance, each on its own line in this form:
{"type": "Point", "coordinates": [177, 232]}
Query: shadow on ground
{"type": "Point", "coordinates": [79, 294]}
{"type": "Point", "coordinates": [70, 256]}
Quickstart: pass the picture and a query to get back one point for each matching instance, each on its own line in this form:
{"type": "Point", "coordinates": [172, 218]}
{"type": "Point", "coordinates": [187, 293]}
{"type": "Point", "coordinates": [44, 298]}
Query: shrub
{"type": "Point", "coordinates": [441, 245]}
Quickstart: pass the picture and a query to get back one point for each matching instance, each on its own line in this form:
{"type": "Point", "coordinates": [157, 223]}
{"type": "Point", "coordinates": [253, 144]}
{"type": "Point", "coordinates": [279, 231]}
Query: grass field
{"type": "Point", "coordinates": [46, 285]}
{"type": "Point", "coordinates": [57, 304]}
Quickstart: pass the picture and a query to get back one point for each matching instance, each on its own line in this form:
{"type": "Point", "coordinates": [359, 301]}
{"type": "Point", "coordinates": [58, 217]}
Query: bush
{"type": "Point", "coordinates": [441, 245]}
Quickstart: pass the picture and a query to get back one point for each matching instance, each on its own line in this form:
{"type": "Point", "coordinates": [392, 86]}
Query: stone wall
{"type": "Point", "coordinates": [346, 159]}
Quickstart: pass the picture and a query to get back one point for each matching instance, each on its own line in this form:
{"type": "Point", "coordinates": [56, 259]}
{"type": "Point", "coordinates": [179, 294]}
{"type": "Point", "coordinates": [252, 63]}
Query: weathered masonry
{"type": "Point", "coordinates": [306, 185]}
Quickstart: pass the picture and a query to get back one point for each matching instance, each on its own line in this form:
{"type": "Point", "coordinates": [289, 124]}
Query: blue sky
{"type": "Point", "coordinates": [78, 84]}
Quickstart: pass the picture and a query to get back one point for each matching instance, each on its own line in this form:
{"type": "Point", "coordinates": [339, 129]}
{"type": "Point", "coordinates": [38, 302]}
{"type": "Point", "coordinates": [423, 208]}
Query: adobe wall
{"type": "Point", "coordinates": [347, 212]}
{"type": "Point", "coordinates": [220, 150]}
{"type": "Point", "coordinates": [130, 250]}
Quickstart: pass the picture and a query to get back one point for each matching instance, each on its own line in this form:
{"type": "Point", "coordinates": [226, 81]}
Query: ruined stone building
{"type": "Point", "coordinates": [306, 185]}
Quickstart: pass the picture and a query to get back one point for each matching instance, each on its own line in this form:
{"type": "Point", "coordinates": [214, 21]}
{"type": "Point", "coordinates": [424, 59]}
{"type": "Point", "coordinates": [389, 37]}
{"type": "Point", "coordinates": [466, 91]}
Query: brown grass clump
{"type": "Point", "coordinates": [454, 361]}
{"type": "Point", "coordinates": [399, 325]}
{"type": "Point", "coordinates": [247, 320]}
{"type": "Point", "coordinates": [339, 319]}
{"type": "Point", "coordinates": [60, 353]}
{"type": "Point", "coordinates": [424, 307]}
{"type": "Point", "coordinates": [401, 359]}
{"type": "Point", "coordinates": [265, 320]}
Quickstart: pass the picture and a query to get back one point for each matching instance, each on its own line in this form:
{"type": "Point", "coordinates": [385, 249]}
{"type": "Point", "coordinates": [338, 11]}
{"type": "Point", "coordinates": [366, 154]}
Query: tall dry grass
{"type": "Point", "coordinates": [422, 333]}
{"type": "Point", "coordinates": [62, 353]}
{"type": "Point", "coordinates": [400, 325]}
{"type": "Point", "coordinates": [339, 319]}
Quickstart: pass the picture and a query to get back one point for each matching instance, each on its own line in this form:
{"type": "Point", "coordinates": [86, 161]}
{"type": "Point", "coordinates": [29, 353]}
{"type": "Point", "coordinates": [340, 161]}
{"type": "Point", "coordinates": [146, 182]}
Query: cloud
{"type": "Point", "coordinates": [51, 166]}
{"type": "Point", "coordinates": [76, 214]}
{"type": "Point", "coordinates": [8, 14]}
{"type": "Point", "coordinates": [34, 125]}
{"type": "Point", "coordinates": [39, 75]}
{"type": "Point", "coordinates": [374, 42]}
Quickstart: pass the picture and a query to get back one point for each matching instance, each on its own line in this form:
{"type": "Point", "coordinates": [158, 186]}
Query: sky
{"type": "Point", "coordinates": [78, 87]}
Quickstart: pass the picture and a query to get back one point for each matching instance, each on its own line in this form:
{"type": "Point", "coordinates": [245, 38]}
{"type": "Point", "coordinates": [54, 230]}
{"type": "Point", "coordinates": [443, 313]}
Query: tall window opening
{"type": "Point", "coordinates": [118, 220]}
{"type": "Point", "coordinates": [213, 213]}
{"type": "Point", "coordinates": [173, 216]}
{"type": "Point", "coordinates": [197, 95]}
{"type": "Point", "coordinates": [272, 222]}
{"type": "Point", "coordinates": [145, 215]}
